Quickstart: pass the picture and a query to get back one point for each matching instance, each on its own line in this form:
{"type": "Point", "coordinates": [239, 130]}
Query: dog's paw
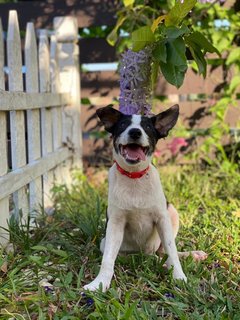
{"type": "Point", "coordinates": [179, 276]}
{"type": "Point", "coordinates": [98, 283]}
{"type": "Point", "coordinates": [199, 255]}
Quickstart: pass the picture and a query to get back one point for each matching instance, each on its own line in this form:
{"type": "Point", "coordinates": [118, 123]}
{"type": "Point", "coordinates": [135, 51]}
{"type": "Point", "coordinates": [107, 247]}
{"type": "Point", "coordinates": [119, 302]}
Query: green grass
{"type": "Point", "coordinates": [64, 250]}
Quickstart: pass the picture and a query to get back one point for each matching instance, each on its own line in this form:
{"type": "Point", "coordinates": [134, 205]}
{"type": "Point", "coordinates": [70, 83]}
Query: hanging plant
{"type": "Point", "coordinates": [170, 37]}
{"type": "Point", "coordinates": [135, 89]}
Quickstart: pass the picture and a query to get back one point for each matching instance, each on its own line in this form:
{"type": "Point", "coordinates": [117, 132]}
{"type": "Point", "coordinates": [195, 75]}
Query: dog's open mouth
{"type": "Point", "coordinates": [133, 152]}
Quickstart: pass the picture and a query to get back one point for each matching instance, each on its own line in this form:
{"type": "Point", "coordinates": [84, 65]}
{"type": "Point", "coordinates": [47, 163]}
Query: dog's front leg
{"type": "Point", "coordinates": [114, 237]}
{"type": "Point", "coordinates": [165, 231]}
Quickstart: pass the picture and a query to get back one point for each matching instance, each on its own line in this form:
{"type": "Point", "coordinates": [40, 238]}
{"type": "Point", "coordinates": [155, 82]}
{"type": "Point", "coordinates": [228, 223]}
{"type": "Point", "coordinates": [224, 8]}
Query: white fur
{"type": "Point", "coordinates": [136, 119]}
{"type": "Point", "coordinates": [138, 216]}
{"type": "Point", "coordinates": [138, 219]}
{"type": "Point", "coordinates": [124, 137]}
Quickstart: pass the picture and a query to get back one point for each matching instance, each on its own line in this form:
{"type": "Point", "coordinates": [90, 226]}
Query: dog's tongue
{"type": "Point", "coordinates": [135, 152]}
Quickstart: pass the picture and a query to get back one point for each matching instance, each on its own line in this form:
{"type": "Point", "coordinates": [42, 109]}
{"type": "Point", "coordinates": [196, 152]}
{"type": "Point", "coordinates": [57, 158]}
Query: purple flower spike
{"type": "Point", "coordinates": [135, 90]}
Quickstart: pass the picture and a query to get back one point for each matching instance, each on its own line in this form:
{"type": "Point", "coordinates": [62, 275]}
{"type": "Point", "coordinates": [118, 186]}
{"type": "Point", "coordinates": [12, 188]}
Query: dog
{"type": "Point", "coordinates": [138, 215]}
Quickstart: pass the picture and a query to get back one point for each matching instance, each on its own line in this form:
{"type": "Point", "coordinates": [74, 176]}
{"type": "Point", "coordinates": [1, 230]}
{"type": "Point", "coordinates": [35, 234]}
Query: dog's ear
{"type": "Point", "coordinates": [165, 121]}
{"type": "Point", "coordinates": [108, 117]}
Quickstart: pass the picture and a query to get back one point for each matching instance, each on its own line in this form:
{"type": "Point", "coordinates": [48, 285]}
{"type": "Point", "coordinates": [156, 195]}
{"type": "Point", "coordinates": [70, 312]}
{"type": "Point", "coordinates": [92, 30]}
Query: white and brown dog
{"type": "Point", "coordinates": [139, 218]}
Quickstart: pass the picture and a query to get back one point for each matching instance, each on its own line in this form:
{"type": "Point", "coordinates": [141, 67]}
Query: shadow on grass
{"type": "Point", "coordinates": [58, 254]}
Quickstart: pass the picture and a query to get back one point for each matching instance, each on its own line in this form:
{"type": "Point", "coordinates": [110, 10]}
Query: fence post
{"type": "Point", "coordinates": [56, 111]}
{"type": "Point", "coordinates": [66, 30]}
{"type": "Point", "coordinates": [33, 116]}
{"type": "Point", "coordinates": [17, 122]}
{"type": "Point", "coordinates": [4, 203]}
{"type": "Point", "coordinates": [46, 114]}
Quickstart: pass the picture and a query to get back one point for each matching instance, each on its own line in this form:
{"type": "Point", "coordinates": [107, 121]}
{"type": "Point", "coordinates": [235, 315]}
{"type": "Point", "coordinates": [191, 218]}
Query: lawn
{"type": "Point", "coordinates": [52, 260]}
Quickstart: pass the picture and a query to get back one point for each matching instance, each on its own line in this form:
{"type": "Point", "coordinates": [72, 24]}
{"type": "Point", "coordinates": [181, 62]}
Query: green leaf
{"type": "Point", "coordinates": [129, 310]}
{"type": "Point", "coordinates": [68, 278]}
{"type": "Point", "coordinates": [128, 2]}
{"type": "Point", "coordinates": [198, 56]}
{"type": "Point", "coordinates": [179, 12]}
{"type": "Point", "coordinates": [234, 84]}
{"type": "Point", "coordinates": [4, 298]}
{"type": "Point", "coordinates": [60, 253]}
{"type": "Point", "coordinates": [201, 41]}
{"type": "Point", "coordinates": [160, 52]}
{"type": "Point", "coordinates": [156, 22]}
{"type": "Point", "coordinates": [173, 74]}
{"type": "Point", "coordinates": [170, 3]}
{"type": "Point", "coordinates": [172, 60]}
{"type": "Point", "coordinates": [113, 35]}
{"type": "Point", "coordinates": [142, 37]}
{"type": "Point", "coordinates": [39, 248]}
{"type": "Point", "coordinates": [175, 32]}
{"type": "Point", "coordinates": [176, 52]}
{"type": "Point", "coordinates": [233, 56]}
{"type": "Point", "coordinates": [154, 73]}
{"type": "Point", "coordinates": [36, 259]}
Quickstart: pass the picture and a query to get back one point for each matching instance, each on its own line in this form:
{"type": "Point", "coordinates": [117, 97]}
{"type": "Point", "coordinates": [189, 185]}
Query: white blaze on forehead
{"type": "Point", "coordinates": [124, 137]}
{"type": "Point", "coordinates": [136, 119]}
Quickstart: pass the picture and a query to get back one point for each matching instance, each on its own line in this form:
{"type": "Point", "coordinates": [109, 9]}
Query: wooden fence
{"type": "Point", "coordinates": [58, 89]}
{"type": "Point", "coordinates": [99, 88]}
{"type": "Point", "coordinates": [40, 137]}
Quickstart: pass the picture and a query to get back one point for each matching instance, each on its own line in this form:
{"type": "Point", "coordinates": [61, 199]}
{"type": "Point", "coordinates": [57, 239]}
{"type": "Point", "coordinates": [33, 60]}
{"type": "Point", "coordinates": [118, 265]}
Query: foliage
{"type": "Point", "coordinates": [219, 22]}
{"type": "Point", "coordinates": [226, 39]}
{"type": "Point", "coordinates": [181, 33]}
{"type": "Point", "coordinates": [169, 30]}
{"type": "Point", "coordinates": [43, 278]}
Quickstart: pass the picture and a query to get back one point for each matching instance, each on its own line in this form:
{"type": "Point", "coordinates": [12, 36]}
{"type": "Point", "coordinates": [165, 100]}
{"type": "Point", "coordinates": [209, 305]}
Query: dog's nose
{"type": "Point", "coordinates": [135, 133]}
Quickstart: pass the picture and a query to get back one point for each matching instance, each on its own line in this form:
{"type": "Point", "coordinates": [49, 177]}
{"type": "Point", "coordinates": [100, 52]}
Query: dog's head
{"type": "Point", "coordinates": [135, 136]}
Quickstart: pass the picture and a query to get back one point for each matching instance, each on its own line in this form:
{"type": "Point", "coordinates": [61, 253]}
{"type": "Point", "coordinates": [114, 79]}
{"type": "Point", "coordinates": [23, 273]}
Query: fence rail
{"type": "Point", "coordinates": [44, 119]}
{"type": "Point", "coordinates": [51, 96]}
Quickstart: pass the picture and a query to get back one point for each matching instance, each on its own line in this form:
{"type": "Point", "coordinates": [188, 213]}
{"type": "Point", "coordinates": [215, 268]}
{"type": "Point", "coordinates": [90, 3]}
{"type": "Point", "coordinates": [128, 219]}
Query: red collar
{"type": "Point", "coordinates": [132, 175]}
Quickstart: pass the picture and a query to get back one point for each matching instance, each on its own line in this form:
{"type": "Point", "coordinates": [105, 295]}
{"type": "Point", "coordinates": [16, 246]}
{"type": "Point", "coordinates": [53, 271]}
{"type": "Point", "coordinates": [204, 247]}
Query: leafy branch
{"type": "Point", "coordinates": [171, 38]}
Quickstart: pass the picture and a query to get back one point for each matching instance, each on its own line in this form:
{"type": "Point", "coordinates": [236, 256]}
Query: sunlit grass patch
{"type": "Point", "coordinates": [52, 260]}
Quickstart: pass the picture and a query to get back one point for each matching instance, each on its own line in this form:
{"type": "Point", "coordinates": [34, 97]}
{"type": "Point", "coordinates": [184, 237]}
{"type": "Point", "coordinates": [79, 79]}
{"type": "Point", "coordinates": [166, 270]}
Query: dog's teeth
{"type": "Point", "coordinates": [131, 158]}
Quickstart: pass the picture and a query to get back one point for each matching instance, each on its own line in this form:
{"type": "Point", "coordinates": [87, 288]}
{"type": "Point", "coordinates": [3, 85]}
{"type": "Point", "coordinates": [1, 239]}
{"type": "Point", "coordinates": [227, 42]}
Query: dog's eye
{"type": "Point", "coordinates": [122, 125]}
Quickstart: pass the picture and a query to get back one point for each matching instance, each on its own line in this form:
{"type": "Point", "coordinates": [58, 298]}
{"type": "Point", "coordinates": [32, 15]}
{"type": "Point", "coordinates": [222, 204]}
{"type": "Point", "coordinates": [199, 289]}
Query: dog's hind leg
{"type": "Point", "coordinates": [166, 234]}
{"type": "Point", "coordinates": [174, 216]}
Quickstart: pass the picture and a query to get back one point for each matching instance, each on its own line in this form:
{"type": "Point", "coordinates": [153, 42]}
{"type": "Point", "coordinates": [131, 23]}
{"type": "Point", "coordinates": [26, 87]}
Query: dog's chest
{"type": "Point", "coordinates": [139, 225]}
{"type": "Point", "coordinates": [131, 194]}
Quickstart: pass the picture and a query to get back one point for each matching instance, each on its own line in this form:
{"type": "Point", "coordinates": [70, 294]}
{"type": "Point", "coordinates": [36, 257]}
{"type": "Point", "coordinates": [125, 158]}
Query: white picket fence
{"type": "Point", "coordinates": [43, 105]}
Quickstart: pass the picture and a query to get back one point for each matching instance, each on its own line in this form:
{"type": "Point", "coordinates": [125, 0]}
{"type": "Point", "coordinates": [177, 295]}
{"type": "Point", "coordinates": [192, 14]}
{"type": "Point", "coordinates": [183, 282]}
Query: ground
{"type": "Point", "coordinates": [44, 276]}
